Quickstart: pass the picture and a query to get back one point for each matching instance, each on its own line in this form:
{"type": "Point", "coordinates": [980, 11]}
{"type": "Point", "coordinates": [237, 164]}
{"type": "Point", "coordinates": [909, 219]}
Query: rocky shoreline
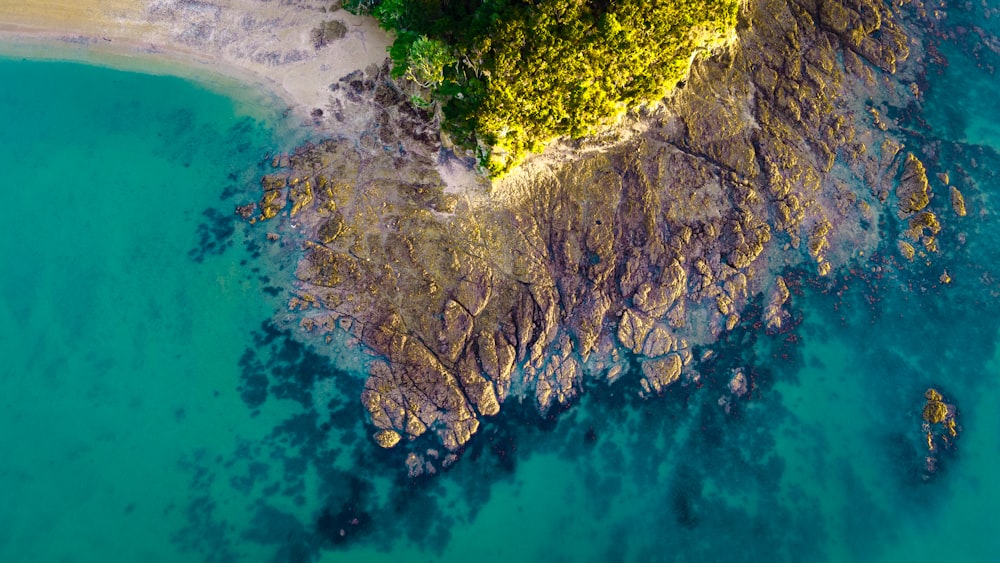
{"type": "Point", "coordinates": [625, 255]}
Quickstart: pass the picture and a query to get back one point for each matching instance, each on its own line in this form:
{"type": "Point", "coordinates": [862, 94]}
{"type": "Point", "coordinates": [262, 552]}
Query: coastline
{"type": "Point", "coordinates": [273, 54]}
{"type": "Point", "coordinates": [535, 294]}
{"type": "Point", "coordinates": [246, 89]}
{"type": "Point", "coordinates": [799, 430]}
{"type": "Point", "coordinates": [745, 177]}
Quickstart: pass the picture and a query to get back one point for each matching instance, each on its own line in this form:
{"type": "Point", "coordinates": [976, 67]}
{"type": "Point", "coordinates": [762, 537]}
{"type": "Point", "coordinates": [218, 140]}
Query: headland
{"type": "Point", "coordinates": [619, 257]}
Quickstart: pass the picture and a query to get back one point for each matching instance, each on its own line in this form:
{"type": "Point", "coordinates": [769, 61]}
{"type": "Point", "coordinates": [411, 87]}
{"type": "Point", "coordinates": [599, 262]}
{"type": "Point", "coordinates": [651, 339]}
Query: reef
{"type": "Point", "coordinates": [612, 257]}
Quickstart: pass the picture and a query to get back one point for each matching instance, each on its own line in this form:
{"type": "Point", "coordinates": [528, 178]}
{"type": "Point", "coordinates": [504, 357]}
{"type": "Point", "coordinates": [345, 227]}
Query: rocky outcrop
{"type": "Point", "coordinates": [645, 241]}
{"type": "Point", "coordinates": [658, 373]}
{"type": "Point", "coordinates": [774, 315]}
{"type": "Point", "coordinates": [957, 202]}
{"type": "Point", "coordinates": [940, 429]}
{"type": "Point", "coordinates": [914, 189]}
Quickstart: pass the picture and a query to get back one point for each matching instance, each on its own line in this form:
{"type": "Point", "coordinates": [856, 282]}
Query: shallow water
{"type": "Point", "coordinates": [152, 409]}
{"type": "Point", "coordinates": [125, 304]}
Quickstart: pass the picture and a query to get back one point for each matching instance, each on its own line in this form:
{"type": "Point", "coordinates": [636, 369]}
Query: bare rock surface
{"type": "Point", "coordinates": [607, 256]}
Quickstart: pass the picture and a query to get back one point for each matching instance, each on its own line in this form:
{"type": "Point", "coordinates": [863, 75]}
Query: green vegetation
{"type": "Point", "coordinates": [512, 75]}
{"type": "Point", "coordinates": [425, 62]}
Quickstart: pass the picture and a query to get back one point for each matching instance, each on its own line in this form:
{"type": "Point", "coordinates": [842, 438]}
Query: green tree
{"type": "Point", "coordinates": [514, 74]}
{"type": "Point", "coordinates": [426, 61]}
{"type": "Point", "coordinates": [391, 14]}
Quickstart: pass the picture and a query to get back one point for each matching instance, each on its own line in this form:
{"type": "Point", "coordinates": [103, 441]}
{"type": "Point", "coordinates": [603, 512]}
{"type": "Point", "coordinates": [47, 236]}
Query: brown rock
{"type": "Point", "coordinates": [633, 327]}
{"type": "Point", "coordinates": [957, 202]}
{"type": "Point", "coordinates": [456, 328]}
{"type": "Point", "coordinates": [477, 388]}
{"type": "Point", "coordinates": [658, 342]}
{"type": "Point", "coordinates": [656, 299]}
{"type": "Point", "coordinates": [906, 249]}
{"type": "Point", "coordinates": [661, 372]}
{"type": "Point", "coordinates": [301, 194]}
{"type": "Point", "coordinates": [387, 438]}
{"type": "Point", "coordinates": [540, 281]}
{"type": "Point", "coordinates": [913, 190]}
{"type": "Point", "coordinates": [775, 315]}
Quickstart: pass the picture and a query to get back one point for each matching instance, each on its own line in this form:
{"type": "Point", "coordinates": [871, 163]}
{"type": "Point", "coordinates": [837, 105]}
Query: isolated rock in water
{"type": "Point", "coordinates": [940, 429]}
{"type": "Point", "coordinates": [914, 189]}
{"type": "Point", "coordinates": [957, 202]}
{"type": "Point", "coordinates": [418, 465]}
{"type": "Point", "coordinates": [247, 211]}
{"type": "Point", "coordinates": [935, 411]}
{"type": "Point", "coordinates": [906, 249]}
{"type": "Point", "coordinates": [738, 383]}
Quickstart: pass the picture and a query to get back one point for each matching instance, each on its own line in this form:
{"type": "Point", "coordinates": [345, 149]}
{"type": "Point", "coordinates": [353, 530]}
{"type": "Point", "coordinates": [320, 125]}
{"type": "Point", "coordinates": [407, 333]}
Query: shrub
{"type": "Point", "coordinates": [513, 75]}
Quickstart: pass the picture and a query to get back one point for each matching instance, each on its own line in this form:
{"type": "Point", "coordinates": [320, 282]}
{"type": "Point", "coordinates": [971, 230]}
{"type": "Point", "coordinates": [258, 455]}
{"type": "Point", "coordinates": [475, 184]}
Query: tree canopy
{"type": "Point", "coordinates": [514, 74]}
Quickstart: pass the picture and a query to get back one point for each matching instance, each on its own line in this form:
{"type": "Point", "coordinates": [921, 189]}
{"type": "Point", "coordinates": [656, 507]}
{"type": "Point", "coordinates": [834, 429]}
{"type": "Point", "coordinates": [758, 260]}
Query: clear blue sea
{"type": "Point", "coordinates": [152, 410]}
{"type": "Point", "coordinates": [127, 294]}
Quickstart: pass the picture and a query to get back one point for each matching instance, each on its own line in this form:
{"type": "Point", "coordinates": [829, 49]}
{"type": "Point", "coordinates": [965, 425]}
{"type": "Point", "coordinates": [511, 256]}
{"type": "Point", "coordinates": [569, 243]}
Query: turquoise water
{"type": "Point", "coordinates": [155, 409]}
{"type": "Point", "coordinates": [125, 305]}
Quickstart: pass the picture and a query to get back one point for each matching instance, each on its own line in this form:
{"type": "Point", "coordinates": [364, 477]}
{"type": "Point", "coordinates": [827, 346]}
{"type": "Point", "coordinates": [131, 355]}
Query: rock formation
{"type": "Point", "coordinates": [939, 427]}
{"type": "Point", "coordinates": [604, 257]}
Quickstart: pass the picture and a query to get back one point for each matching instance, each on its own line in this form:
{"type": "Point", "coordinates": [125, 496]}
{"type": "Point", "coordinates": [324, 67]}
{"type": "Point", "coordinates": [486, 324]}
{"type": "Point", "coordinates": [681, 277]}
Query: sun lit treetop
{"type": "Point", "coordinates": [513, 75]}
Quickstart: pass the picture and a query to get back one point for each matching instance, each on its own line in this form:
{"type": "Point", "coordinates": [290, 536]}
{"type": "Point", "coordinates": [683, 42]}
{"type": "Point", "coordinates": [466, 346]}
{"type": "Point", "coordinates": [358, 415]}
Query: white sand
{"type": "Point", "coordinates": [258, 42]}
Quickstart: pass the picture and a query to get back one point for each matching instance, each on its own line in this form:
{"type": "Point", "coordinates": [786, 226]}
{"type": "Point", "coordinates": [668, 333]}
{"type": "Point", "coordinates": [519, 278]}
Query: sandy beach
{"type": "Point", "coordinates": [266, 44]}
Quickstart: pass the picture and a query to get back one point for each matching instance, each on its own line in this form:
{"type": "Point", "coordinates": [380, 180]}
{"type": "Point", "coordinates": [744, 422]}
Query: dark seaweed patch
{"type": "Point", "coordinates": [253, 380]}
{"type": "Point", "coordinates": [345, 522]}
{"type": "Point", "coordinates": [215, 234]}
{"type": "Point", "coordinates": [681, 501]}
